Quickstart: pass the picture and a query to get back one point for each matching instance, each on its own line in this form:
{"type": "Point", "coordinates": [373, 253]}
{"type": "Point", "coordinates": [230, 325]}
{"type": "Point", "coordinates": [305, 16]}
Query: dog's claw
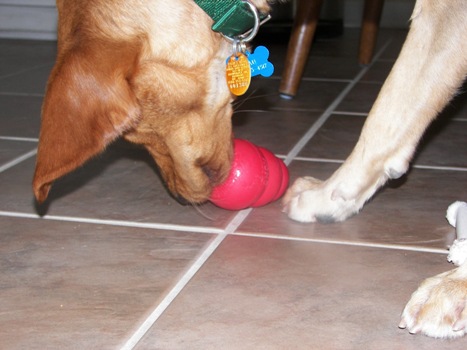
{"type": "Point", "coordinates": [414, 330]}
{"type": "Point", "coordinates": [402, 324]}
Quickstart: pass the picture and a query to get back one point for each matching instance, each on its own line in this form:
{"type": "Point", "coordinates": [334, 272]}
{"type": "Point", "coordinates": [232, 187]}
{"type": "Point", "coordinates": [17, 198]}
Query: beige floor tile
{"type": "Point", "coordinates": [20, 115]}
{"type": "Point", "coordinates": [273, 294]}
{"type": "Point", "coordinates": [11, 150]}
{"type": "Point", "coordinates": [82, 286]}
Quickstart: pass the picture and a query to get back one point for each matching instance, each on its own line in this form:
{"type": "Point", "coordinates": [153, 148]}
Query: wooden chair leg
{"type": "Point", "coordinates": [302, 35]}
{"type": "Point", "coordinates": [369, 34]}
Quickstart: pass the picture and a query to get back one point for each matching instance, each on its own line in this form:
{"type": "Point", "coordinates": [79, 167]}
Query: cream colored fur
{"type": "Point", "coordinates": [427, 74]}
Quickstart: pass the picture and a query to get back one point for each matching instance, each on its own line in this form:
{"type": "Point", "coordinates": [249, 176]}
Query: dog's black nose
{"type": "Point", "coordinates": [182, 200]}
{"type": "Point", "coordinates": [212, 174]}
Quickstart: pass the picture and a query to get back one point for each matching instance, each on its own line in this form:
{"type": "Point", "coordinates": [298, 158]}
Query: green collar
{"type": "Point", "coordinates": [231, 17]}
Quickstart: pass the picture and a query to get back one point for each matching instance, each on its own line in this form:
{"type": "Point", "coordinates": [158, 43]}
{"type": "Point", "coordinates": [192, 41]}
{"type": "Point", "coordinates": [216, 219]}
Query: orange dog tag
{"type": "Point", "coordinates": [238, 74]}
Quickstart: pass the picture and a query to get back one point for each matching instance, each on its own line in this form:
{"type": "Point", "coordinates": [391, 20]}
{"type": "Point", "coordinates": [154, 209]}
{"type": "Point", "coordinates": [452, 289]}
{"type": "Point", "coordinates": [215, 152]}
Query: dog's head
{"type": "Point", "coordinates": [154, 74]}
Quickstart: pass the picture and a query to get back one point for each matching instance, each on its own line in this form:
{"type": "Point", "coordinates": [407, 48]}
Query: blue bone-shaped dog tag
{"type": "Point", "coordinates": [259, 62]}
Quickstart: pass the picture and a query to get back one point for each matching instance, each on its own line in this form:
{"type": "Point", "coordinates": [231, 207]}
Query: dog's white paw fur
{"type": "Point", "coordinates": [311, 200]}
{"type": "Point", "coordinates": [438, 308]}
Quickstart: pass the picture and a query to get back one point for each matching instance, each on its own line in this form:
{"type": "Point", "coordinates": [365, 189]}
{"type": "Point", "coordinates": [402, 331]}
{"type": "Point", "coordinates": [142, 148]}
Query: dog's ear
{"type": "Point", "coordinates": [88, 104]}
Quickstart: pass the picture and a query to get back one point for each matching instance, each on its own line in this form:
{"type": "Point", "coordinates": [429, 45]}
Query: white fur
{"type": "Point", "coordinates": [430, 68]}
{"type": "Point", "coordinates": [438, 308]}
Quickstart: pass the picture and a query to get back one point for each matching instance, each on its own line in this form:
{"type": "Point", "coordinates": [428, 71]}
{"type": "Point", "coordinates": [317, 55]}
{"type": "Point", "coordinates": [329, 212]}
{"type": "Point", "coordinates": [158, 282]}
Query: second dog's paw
{"type": "Point", "coordinates": [438, 308]}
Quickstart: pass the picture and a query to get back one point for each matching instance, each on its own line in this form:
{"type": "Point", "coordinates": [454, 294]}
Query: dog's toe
{"type": "Point", "coordinates": [312, 200]}
{"type": "Point", "coordinates": [438, 308]}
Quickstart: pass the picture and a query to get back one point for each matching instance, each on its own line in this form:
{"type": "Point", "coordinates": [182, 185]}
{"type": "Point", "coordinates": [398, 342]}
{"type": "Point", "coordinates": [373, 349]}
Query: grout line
{"type": "Point", "coordinates": [328, 112]}
{"type": "Point", "coordinates": [413, 166]}
{"type": "Point", "coordinates": [365, 114]}
{"type": "Point", "coordinates": [327, 80]}
{"type": "Point", "coordinates": [121, 223]}
{"type": "Point", "coordinates": [249, 111]}
{"type": "Point", "coordinates": [236, 222]}
{"type": "Point", "coordinates": [346, 243]}
{"type": "Point", "coordinates": [320, 80]}
{"type": "Point", "coordinates": [319, 160]}
{"type": "Point", "coordinates": [292, 109]}
{"type": "Point", "coordinates": [184, 280]}
{"type": "Point", "coordinates": [18, 160]}
{"type": "Point", "coordinates": [357, 114]}
{"type": "Point", "coordinates": [15, 138]}
{"type": "Point", "coordinates": [22, 94]}
{"type": "Point", "coordinates": [24, 70]}
{"type": "Point", "coordinates": [435, 167]}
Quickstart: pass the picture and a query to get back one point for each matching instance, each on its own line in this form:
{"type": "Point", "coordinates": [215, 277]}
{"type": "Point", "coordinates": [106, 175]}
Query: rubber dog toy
{"type": "Point", "coordinates": [256, 178]}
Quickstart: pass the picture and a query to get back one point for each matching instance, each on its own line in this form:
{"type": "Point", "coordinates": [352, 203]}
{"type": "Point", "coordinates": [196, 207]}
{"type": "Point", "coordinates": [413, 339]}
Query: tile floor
{"type": "Point", "coordinates": [113, 262]}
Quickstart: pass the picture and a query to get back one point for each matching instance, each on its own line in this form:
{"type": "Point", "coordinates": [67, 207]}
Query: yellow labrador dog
{"type": "Point", "coordinates": [150, 71]}
{"type": "Point", "coordinates": [429, 70]}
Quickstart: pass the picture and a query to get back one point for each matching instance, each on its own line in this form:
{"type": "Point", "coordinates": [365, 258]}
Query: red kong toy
{"type": "Point", "coordinates": [257, 177]}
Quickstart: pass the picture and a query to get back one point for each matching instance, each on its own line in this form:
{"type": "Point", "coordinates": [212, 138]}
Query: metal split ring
{"type": "Point", "coordinates": [238, 46]}
{"type": "Point", "coordinates": [249, 35]}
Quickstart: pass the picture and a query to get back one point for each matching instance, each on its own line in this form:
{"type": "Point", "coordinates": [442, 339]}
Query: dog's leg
{"type": "Point", "coordinates": [430, 68]}
{"type": "Point", "coordinates": [438, 308]}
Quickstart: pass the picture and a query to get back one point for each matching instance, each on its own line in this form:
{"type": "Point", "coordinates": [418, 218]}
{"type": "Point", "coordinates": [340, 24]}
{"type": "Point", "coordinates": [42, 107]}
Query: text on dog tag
{"type": "Point", "coordinates": [238, 74]}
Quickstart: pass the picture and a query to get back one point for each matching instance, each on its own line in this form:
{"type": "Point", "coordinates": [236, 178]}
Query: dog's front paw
{"type": "Point", "coordinates": [295, 201]}
{"type": "Point", "coordinates": [438, 308]}
{"type": "Point", "coordinates": [311, 200]}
